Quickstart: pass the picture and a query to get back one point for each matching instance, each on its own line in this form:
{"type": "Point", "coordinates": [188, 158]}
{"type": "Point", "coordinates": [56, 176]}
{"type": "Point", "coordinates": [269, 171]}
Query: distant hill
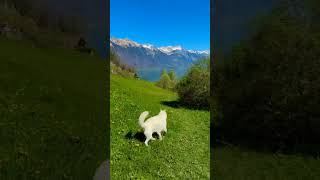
{"type": "Point", "coordinates": [150, 60]}
{"type": "Point", "coordinates": [117, 67]}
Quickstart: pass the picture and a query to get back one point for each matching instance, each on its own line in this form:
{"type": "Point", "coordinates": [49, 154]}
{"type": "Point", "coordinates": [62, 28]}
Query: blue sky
{"type": "Point", "coordinates": [162, 22]}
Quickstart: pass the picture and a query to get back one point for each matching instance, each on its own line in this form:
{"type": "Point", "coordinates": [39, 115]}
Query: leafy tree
{"type": "Point", "coordinates": [165, 81]}
{"type": "Point", "coordinates": [194, 88]}
{"type": "Point", "coordinates": [267, 89]}
{"type": "Point", "coordinates": [164, 71]}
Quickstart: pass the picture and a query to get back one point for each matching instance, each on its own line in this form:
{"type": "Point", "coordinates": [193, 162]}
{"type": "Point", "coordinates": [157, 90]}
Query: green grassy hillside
{"type": "Point", "coordinates": [53, 120]}
{"type": "Point", "coordinates": [184, 152]}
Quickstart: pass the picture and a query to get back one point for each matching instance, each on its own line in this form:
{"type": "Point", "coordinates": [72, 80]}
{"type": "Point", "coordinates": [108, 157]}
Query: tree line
{"type": "Point", "coordinates": [44, 16]}
{"type": "Point", "coordinates": [267, 89]}
{"type": "Point", "coordinates": [35, 21]}
{"type": "Point", "coordinates": [117, 67]}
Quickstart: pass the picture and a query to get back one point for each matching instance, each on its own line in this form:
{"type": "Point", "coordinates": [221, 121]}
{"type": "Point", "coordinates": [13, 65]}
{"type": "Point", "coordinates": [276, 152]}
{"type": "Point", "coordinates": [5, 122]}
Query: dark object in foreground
{"type": "Point", "coordinates": [83, 47]}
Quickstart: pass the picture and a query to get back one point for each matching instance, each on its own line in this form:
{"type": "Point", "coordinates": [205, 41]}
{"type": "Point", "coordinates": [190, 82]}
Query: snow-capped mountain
{"type": "Point", "coordinates": [150, 60]}
{"type": "Point", "coordinates": [169, 49]}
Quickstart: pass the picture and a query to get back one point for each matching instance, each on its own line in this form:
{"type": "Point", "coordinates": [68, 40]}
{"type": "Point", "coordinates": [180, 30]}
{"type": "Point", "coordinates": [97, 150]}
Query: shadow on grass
{"type": "Point", "coordinates": [178, 104]}
{"type": "Point", "coordinates": [138, 136]}
{"type": "Point", "coordinates": [222, 139]}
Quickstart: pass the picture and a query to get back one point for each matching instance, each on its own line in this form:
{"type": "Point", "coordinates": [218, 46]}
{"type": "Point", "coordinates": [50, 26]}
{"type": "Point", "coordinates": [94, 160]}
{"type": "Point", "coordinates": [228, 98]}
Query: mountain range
{"type": "Point", "coordinates": [150, 60]}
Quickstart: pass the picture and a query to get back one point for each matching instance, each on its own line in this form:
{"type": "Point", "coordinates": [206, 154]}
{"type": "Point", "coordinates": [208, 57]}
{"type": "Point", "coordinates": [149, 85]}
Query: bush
{"type": "Point", "coordinates": [194, 88]}
{"type": "Point", "coordinates": [268, 89]}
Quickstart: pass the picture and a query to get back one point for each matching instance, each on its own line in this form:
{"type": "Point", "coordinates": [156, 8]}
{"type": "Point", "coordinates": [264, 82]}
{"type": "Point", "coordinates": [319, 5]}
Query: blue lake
{"type": "Point", "coordinates": [153, 74]}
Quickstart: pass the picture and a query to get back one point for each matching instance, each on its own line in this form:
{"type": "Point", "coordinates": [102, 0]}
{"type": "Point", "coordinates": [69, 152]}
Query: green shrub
{"type": "Point", "coordinates": [194, 88]}
{"type": "Point", "coordinates": [267, 89]}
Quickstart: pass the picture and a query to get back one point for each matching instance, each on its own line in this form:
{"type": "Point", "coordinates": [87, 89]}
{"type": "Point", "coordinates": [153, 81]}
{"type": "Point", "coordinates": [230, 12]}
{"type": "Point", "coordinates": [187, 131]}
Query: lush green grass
{"type": "Point", "coordinates": [238, 164]}
{"type": "Point", "coordinates": [184, 153]}
{"type": "Point", "coordinates": [53, 118]}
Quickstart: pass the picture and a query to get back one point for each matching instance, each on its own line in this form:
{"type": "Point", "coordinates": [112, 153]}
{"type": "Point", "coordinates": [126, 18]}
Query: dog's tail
{"type": "Point", "coordinates": [142, 118]}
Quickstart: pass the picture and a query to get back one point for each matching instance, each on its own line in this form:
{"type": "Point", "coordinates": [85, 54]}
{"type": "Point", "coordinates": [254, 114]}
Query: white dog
{"type": "Point", "coordinates": [156, 124]}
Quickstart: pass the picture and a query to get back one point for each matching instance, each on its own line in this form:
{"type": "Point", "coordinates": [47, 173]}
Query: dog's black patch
{"type": "Point", "coordinates": [155, 135]}
{"type": "Point", "coordinates": [139, 136]}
